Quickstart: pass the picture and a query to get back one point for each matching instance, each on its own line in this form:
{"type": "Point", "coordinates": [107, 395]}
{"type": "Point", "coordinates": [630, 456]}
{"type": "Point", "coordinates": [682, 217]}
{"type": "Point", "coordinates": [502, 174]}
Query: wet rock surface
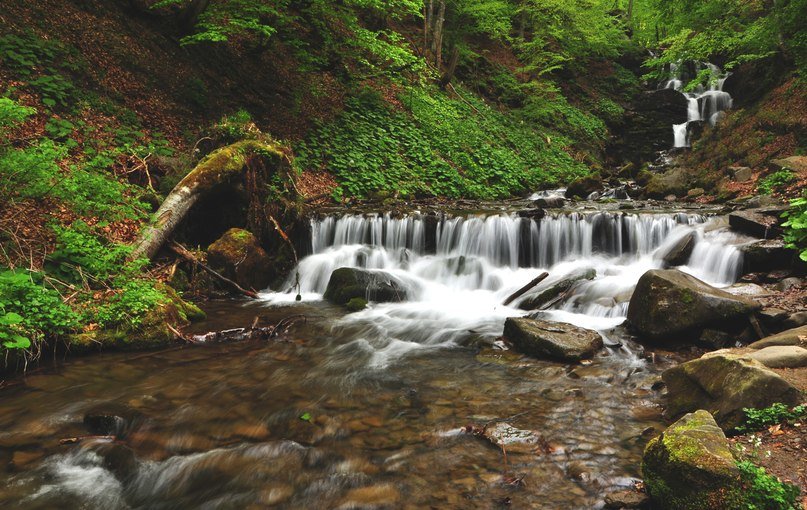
{"type": "Point", "coordinates": [534, 300]}
{"type": "Point", "coordinates": [552, 340]}
{"type": "Point", "coordinates": [672, 306]}
{"type": "Point", "coordinates": [346, 284]}
{"type": "Point", "coordinates": [762, 223]}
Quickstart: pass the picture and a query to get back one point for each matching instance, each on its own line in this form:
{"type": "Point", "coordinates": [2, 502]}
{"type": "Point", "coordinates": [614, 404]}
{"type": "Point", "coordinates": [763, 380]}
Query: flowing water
{"type": "Point", "coordinates": [367, 409]}
{"type": "Point", "coordinates": [704, 104]}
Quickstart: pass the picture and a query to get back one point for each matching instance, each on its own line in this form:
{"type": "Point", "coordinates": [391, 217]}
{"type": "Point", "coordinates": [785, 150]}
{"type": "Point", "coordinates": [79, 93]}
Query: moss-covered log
{"type": "Point", "coordinates": [220, 167]}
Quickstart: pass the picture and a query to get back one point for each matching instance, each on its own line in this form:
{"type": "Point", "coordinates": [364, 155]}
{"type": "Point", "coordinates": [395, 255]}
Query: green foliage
{"type": "Point", "coordinates": [443, 147]}
{"type": "Point", "coordinates": [741, 31]}
{"type": "Point", "coordinates": [758, 419]}
{"type": "Point", "coordinates": [776, 181]}
{"type": "Point", "coordinates": [763, 491]}
{"type": "Point", "coordinates": [796, 226]}
{"type": "Point", "coordinates": [80, 255]}
{"type": "Point", "coordinates": [29, 310]}
{"type": "Point", "coordinates": [12, 113]}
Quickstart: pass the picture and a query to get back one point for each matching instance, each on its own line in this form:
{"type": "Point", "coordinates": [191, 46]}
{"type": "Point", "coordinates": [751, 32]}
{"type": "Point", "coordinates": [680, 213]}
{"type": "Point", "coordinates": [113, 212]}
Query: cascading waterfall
{"type": "Point", "coordinates": [459, 269]}
{"type": "Point", "coordinates": [703, 104]}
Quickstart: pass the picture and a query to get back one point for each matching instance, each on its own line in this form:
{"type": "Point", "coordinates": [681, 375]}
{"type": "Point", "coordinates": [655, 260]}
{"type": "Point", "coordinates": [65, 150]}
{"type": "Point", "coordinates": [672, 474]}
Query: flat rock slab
{"type": "Point", "coordinates": [781, 356]}
{"type": "Point", "coordinates": [795, 336]}
{"type": "Point", "coordinates": [552, 340]}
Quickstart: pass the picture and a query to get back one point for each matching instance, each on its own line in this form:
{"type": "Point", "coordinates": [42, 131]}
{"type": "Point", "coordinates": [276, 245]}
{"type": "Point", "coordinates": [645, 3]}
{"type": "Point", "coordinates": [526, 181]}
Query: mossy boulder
{"type": "Point", "coordinates": [672, 182]}
{"type": "Point", "coordinates": [690, 466]}
{"type": "Point", "coordinates": [584, 186]}
{"type": "Point", "coordinates": [151, 330]}
{"type": "Point", "coordinates": [795, 336]}
{"type": "Point", "coordinates": [544, 294]}
{"type": "Point", "coordinates": [725, 383]}
{"type": "Point", "coordinates": [238, 256]}
{"type": "Point", "coordinates": [556, 341]}
{"type": "Point", "coordinates": [671, 306]}
{"type": "Point", "coordinates": [348, 283]}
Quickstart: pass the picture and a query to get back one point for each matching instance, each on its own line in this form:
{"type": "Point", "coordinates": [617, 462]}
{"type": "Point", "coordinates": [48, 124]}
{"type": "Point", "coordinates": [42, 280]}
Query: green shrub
{"type": "Point", "coordinates": [796, 226]}
{"type": "Point", "coordinates": [775, 181]}
{"type": "Point", "coordinates": [12, 113]}
{"type": "Point", "coordinates": [758, 419]}
{"type": "Point", "coordinates": [29, 311]}
{"type": "Point", "coordinates": [762, 491]}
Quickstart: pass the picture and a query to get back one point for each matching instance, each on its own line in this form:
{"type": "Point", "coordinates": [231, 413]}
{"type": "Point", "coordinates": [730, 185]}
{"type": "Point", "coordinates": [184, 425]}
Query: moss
{"type": "Point", "coordinates": [228, 162]}
{"type": "Point", "coordinates": [356, 304]}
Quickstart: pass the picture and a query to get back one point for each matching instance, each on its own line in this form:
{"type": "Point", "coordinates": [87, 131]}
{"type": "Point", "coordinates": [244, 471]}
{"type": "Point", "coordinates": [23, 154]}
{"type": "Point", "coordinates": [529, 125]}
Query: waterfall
{"type": "Point", "coordinates": [703, 104]}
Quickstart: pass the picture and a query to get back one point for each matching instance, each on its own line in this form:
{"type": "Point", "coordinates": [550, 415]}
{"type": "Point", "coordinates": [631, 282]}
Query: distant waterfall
{"type": "Point", "coordinates": [704, 104]}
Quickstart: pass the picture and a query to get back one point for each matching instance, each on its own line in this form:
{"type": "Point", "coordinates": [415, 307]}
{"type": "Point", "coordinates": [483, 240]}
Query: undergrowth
{"type": "Point", "coordinates": [436, 146]}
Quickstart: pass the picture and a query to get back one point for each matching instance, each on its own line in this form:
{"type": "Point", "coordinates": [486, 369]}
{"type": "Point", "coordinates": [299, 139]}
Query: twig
{"type": "Point", "coordinates": [187, 255]}
{"type": "Point", "coordinates": [520, 292]}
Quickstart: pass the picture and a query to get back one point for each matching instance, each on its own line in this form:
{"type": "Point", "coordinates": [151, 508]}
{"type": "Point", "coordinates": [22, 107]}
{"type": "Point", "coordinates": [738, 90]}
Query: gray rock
{"type": "Point", "coordinates": [549, 202]}
{"type": "Point", "coordinates": [724, 384]}
{"type": "Point", "coordinates": [514, 440]}
{"type": "Point", "coordinates": [679, 252]}
{"type": "Point", "coordinates": [672, 305]}
{"type": "Point", "coordinates": [788, 283]}
{"type": "Point", "coordinates": [795, 336]}
{"type": "Point", "coordinates": [762, 223]}
{"type": "Point", "coordinates": [551, 340]}
{"type": "Point", "coordinates": [741, 173]}
{"type": "Point", "coordinates": [584, 186]}
{"type": "Point", "coordinates": [796, 320]}
{"type": "Point", "coordinates": [766, 255]}
{"type": "Point", "coordinates": [690, 465]}
{"type": "Point", "coordinates": [537, 298]}
{"type": "Point", "coordinates": [781, 356]}
{"type": "Point", "coordinates": [347, 283]}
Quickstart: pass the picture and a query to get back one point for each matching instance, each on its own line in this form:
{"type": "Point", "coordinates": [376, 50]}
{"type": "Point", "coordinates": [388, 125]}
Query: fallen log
{"type": "Point", "coordinates": [520, 292]}
{"type": "Point", "coordinates": [221, 166]}
{"type": "Point", "coordinates": [243, 334]}
{"type": "Point", "coordinates": [187, 255]}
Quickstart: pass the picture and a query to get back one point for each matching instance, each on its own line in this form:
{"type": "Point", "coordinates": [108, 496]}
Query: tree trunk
{"type": "Point", "coordinates": [190, 16]}
{"type": "Point", "coordinates": [218, 168]}
{"type": "Point", "coordinates": [452, 67]}
{"type": "Point", "coordinates": [437, 42]}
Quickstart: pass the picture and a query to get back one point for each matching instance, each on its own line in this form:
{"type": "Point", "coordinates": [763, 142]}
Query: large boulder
{"type": "Point", "coordinates": [238, 256]}
{"type": "Point", "coordinates": [690, 466]}
{"type": "Point", "coordinates": [669, 305]}
{"type": "Point", "coordinates": [538, 298]}
{"type": "Point", "coordinates": [672, 182]}
{"type": "Point", "coordinates": [551, 340]}
{"type": "Point", "coordinates": [347, 283]}
{"type": "Point", "coordinates": [724, 384]}
{"type": "Point", "coordinates": [584, 186]}
{"type": "Point", "coordinates": [796, 164]}
{"type": "Point", "coordinates": [767, 255]}
{"type": "Point", "coordinates": [796, 337]}
{"type": "Point", "coordinates": [762, 222]}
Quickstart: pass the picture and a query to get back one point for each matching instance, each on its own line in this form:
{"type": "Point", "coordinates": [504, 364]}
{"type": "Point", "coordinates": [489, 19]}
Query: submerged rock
{"type": "Point", "coordinates": [347, 283]}
{"type": "Point", "coordinates": [626, 499]}
{"type": "Point", "coordinates": [724, 384]}
{"type": "Point", "coordinates": [535, 300]}
{"type": "Point", "coordinates": [669, 305]}
{"type": "Point", "coordinates": [238, 256]}
{"type": "Point", "coordinates": [552, 340]}
{"type": "Point", "coordinates": [690, 466]}
{"type": "Point", "coordinates": [512, 439]}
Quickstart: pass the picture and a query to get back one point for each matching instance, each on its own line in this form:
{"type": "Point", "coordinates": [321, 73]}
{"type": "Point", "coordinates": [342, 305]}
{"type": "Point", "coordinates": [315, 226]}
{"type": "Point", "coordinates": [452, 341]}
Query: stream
{"type": "Point", "coordinates": [368, 409]}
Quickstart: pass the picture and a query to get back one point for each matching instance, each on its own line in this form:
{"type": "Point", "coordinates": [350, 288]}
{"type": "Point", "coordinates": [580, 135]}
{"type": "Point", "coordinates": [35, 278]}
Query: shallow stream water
{"type": "Point", "coordinates": [367, 410]}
